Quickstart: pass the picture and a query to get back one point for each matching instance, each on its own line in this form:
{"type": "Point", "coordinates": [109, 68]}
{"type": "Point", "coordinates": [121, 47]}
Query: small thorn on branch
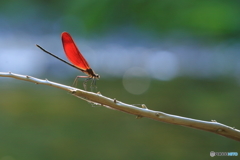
{"type": "Point", "coordinates": [144, 106]}
{"type": "Point", "coordinates": [73, 91]}
{"type": "Point", "coordinates": [138, 116]}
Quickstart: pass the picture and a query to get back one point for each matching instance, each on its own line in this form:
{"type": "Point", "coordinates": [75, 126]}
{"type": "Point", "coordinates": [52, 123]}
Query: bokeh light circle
{"type": "Point", "coordinates": [136, 80]}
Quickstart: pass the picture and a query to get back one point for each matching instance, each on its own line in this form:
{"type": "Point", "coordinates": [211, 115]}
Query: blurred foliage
{"type": "Point", "coordinates": [40, 122]}
{"type": "Point", "coordinates": [213, 18]}
{"type": "Point", "coordinates": [217, 18]}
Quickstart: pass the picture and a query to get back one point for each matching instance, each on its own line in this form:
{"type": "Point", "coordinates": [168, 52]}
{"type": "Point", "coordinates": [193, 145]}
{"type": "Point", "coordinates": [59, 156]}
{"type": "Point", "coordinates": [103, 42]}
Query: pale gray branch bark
{"type": "Point", "coordinates": [98, 99]}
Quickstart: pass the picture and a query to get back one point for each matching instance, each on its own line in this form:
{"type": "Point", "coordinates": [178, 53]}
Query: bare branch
{"type": "Point", "coordinates": [98, 99]}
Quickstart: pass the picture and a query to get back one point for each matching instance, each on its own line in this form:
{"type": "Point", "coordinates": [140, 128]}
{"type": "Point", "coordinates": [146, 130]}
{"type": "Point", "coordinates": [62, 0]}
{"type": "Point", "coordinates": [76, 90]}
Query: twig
{"type": "Point", "coordinates": [98, 99]}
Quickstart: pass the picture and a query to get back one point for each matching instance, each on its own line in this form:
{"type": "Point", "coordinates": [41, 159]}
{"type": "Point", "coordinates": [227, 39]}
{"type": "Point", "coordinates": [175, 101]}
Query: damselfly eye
{"type": "Point", "coordinates": [97, 76]}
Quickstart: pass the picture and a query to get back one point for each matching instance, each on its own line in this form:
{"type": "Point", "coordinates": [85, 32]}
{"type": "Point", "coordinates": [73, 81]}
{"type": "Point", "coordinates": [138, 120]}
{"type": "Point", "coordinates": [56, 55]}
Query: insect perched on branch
{"type": "Point", "coordinates": [77, 60]}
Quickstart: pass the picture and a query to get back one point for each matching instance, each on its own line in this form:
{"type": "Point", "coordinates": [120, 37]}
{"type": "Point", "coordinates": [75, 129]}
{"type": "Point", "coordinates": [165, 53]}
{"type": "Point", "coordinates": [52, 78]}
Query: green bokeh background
{"type": "Point", "coordinates": [39, 122]}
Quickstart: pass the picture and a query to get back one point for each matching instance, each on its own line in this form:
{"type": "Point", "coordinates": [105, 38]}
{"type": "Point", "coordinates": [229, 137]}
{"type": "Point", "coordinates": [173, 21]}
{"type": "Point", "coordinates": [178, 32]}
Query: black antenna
{"type": "Point", "coordinates": [59, 58]}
